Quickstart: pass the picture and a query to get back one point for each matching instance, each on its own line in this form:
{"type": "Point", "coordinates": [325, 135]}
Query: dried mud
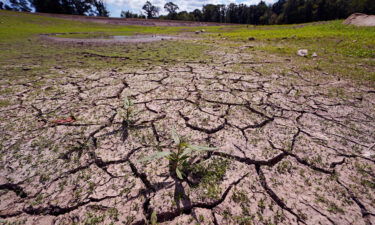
{"type": "Point", "coordinates": [296, 153]}
{"type": "Point", "coordinates": [113, 40]}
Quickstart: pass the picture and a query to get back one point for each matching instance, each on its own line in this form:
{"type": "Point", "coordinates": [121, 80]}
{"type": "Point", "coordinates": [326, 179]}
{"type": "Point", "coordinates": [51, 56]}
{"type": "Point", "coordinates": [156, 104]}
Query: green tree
{"type": "Point", "coordinates": [76, 7]}
{"type": "Point", "coordinates": [151, 10]}
{"type": "Point", "coordinates": [213, 13]}
{"type": "Point", "coordinates": [232, 15]}
{"type": "Point", "coordinates": [15, 5]}
{"type": "Point", "coordinates": [128, 14]}
{"type": "Point", "coordinates": [101, 9]}
{"type": "Point", "coordinates": [172, 10]}
{"type": "Point", "coordinates": [363, 6]}
{"type": "Point", "coordinates": [197, 15]}
{"type": "Point", "coordinates": [20, 5]}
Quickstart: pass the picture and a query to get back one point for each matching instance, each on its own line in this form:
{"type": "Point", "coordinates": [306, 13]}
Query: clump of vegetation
{"type": "Point", "coordinates": [207, 177]}
{"type": "Point", "coordinates": [4, 103]}
{"type": "Point", "coordinates": [179, 157]}
{"type": "Point", "coordinates": [128, 112]}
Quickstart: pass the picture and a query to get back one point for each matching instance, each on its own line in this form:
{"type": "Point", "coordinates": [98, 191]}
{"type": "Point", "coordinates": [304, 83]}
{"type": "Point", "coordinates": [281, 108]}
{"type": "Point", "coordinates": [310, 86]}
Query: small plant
{"type": "Point", "coordinates": [178, 159]}
{"type": "Point", "coordinates": [129, 112]}
{"type": "Point", "coordinates": [154, 218]}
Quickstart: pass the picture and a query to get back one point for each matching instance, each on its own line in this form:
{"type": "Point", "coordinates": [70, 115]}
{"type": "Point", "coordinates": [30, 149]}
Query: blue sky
{"type": "Point", "coordinates": [115, 6]}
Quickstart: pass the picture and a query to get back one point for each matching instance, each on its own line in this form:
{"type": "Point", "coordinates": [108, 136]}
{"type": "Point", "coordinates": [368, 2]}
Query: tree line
{"type": "Point", "coordinates": [281, 12]}
{"type": "Point", "coordinates": [74, 7]}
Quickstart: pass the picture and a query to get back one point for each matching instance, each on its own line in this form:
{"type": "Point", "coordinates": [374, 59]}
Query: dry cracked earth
{"type": "Point", "coordinates": [293, 147]}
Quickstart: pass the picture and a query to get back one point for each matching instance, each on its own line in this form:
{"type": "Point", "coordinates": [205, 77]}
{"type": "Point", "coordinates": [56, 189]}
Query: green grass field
{"type": "Point", "coordinates": [343, 50]}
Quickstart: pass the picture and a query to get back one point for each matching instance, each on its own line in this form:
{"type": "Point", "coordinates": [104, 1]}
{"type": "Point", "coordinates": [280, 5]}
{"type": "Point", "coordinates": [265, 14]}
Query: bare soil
{"type": "Point", "coordinates": [360, 19]}
{"type": "Point", "coordinates": [118, 40]}
{"type": "Point", "coordinates": [299, 145]}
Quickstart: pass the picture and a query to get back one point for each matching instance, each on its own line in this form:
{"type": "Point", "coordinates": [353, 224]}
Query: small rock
{"type": "Point", "coordinates": [314, 55]}
{"type": "Point", "coordinates": [197, 32]}
{"type": "Point", "coordinates": [251, 38]}
{"type": "Point", "coordinates": [26, 69]}
{"type": "Point", "coordinates": [203, 30]}
{"type": "Point", "coordinates": [303, 52]}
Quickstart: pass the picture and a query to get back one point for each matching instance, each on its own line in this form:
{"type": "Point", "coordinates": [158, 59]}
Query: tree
{"type": "Point", "coordinates": [76, 7]}
{"type": "Point", "coordinates": [15, 5]}
{"type": "Point", "coordinates": [172, 10]}
{"type": "Point", "coordinates": [277, 7]}
{"type": "Point", "coordinates": [291, 13]}
{"type": "Point", "coordinates": [262, 13]}
{"type": "Point", "coordinates": [128, 14]}
{"type": "Point", "coordinates": [213, 13]}
{"type": "Point", "coordinates": [150, 9]}
{"type": "Point", "coordinates": [101, 9]}
{"type": "Point", "coordinates": [197, 15]}
{"type": "Point", "coordinates": [364, 6]}
{"type": "Point", "coordinates": [232, 15]}
{"type": "Point", "coordinates": [282, 11]}
{"type": "Point", "coordinates": [47, 6]}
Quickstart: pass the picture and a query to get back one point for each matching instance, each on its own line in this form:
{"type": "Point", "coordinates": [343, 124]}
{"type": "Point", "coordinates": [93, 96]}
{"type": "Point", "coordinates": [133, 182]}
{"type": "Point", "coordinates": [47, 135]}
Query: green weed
{"type": "Point", "coordinates": [179, 157]}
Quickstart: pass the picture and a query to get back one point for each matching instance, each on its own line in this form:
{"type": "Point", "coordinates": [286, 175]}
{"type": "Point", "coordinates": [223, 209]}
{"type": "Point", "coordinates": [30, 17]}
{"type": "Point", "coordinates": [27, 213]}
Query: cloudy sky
{"type": "Point", "coordinates": [115, 6]}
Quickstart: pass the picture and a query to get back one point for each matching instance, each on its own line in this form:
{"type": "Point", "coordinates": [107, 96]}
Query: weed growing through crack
{"type": "Point", "coordinates": [154, 218]}
{"type": "Point", "coordinates": [128, 114]}
{"type": "Point", "coordinates": [179, 158]}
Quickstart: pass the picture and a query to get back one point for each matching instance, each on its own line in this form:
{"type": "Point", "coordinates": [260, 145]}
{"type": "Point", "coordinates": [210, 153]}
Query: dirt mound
{"type": "Point", "coordinates": [360, 19]}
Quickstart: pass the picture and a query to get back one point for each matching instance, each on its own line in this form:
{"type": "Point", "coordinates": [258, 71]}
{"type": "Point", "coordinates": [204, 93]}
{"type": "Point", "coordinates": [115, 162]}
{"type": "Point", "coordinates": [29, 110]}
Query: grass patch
{"type": "Point", "coordinates": [4, 103]}
{"type": "Point", "coordinates": [342, 50]}
{"type": "Point", "coordinates": [210, 176]}
{"type": "Point", "coordinates": [24, 55]}
{"type": "Point", "coordinates": [16, 26]}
